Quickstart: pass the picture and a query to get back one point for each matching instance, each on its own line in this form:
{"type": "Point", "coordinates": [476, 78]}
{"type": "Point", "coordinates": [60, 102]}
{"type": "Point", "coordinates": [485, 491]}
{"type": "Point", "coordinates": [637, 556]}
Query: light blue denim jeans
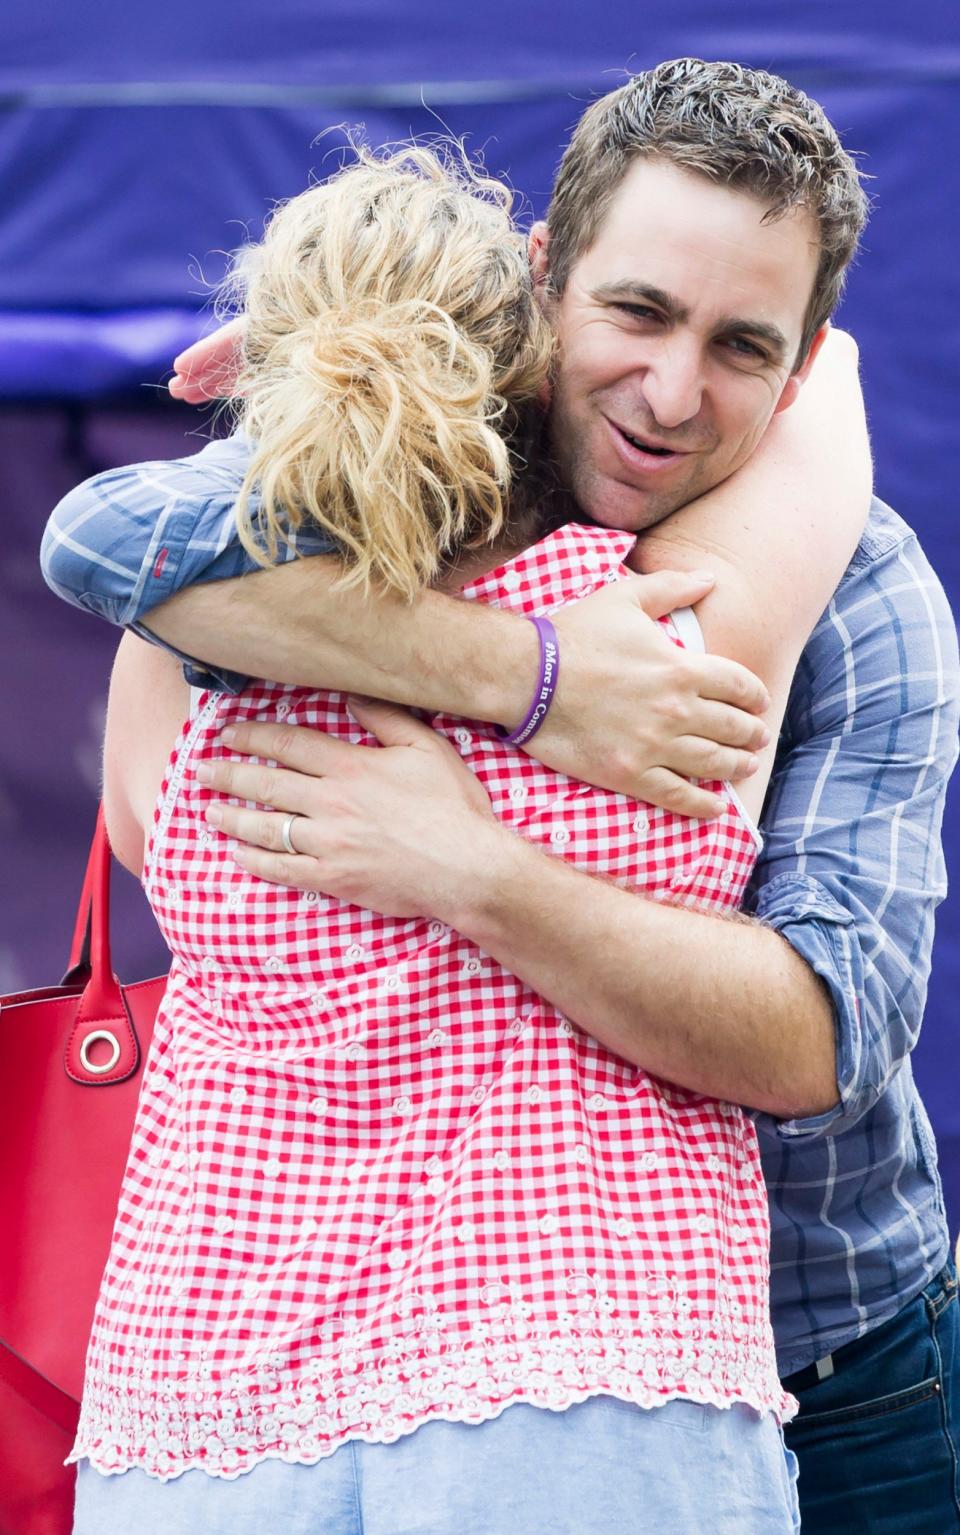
{"type": "Point", "coordinates": [600, 1468]}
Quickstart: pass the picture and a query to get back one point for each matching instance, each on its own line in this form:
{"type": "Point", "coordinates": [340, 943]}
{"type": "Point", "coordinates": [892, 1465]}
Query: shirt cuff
{"type": "Point", "coordinates": [824, 934]}
{"type": "Point", "coordinates": [198, 674]}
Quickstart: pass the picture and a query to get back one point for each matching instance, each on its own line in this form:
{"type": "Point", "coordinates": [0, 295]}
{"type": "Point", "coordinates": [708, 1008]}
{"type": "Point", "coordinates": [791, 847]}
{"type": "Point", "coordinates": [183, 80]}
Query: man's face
{"type": "Point", "coordinates": [678, 330]}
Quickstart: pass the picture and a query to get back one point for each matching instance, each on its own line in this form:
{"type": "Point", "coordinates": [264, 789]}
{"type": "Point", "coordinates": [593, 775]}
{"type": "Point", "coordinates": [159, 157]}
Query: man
{"type": "Point", "coordinates": [808, 1013]}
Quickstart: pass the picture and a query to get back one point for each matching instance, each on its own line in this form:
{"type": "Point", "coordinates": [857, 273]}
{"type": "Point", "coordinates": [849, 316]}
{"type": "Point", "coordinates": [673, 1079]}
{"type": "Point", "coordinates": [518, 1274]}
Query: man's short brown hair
{"type": "Point", "coordinates": [739, 127]}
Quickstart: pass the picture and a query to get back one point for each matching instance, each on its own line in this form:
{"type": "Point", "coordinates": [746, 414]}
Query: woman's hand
{"type": "Point", "coordinates": [208, 369]}
{"type": "Point", "coordinates": [396, 830]}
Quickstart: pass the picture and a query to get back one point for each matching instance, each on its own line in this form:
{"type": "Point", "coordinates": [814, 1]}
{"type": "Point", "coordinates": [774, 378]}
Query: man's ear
{"type": "Point", "coordinates": [537, 246]}
{"type": "Point", "coordinates": [798, 378]}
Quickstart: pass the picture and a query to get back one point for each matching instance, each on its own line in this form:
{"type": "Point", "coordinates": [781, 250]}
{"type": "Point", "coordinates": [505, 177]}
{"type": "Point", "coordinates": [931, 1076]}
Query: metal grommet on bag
{"type": "Point", "coordinates": [92, 1039]}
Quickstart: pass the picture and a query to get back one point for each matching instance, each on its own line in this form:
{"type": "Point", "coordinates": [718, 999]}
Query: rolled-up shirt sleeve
{"type": "Point", "coordinates": [128, 539]}
{"type": "Point", "coordinates": [852, 869]}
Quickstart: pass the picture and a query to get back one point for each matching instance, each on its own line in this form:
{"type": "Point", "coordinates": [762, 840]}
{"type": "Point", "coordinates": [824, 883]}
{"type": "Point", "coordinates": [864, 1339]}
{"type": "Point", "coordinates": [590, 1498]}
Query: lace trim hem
{"type": "Point", "coordinates": [227, 1436]}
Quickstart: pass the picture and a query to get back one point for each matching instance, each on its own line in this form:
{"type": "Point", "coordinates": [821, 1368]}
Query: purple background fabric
{"type": "Point", "coordinates": [137, 146]}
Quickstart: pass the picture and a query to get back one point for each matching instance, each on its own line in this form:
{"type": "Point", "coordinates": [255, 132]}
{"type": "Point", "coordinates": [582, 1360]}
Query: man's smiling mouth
{"type": "Point", "coordinates": [646, 447]}
{"type": "Point", "coordinates": [653, 450]}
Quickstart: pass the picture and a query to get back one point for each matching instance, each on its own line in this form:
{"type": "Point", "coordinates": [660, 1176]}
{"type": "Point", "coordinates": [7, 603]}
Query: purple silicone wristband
{"type": "Point", "coordinates": [546, 687]}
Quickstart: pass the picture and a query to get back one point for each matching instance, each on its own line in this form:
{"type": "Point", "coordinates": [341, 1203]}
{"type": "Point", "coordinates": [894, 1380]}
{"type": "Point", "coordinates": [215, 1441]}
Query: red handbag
{"type": "Point", "coordinates": [71, 1057]}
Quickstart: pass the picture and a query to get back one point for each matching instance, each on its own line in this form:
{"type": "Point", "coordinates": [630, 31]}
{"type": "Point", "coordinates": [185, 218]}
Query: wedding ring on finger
{"type": "Point", "coordinates": [285, 837]}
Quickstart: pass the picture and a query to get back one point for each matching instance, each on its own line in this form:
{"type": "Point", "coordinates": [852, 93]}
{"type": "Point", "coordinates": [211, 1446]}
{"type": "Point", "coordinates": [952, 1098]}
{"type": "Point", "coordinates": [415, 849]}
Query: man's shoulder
{"type": "Point", "coordinates": [889, 566]}
{"type": "Point", "coordinates": [888, 617]}
{"type": "Point", "coordinates": [884, 535]}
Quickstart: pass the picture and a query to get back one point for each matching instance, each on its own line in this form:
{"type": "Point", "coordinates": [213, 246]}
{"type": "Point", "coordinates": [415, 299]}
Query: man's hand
{"type": "Point", "coordinates": [635, 713]}
{"type": "Point", "coordinates": [391, 830]}
{"type": "Point", "coordinates": [208, 369]}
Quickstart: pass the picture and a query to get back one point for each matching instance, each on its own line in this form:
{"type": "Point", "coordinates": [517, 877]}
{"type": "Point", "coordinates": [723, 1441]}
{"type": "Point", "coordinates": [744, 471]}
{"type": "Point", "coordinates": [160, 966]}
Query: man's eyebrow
{"type": "Point", "coordinates": [642, 293]}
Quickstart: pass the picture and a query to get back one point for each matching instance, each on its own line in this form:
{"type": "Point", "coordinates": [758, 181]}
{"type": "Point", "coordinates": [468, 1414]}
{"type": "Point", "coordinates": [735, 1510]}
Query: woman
{"type": "Point", "coordinates": [384, 1204]}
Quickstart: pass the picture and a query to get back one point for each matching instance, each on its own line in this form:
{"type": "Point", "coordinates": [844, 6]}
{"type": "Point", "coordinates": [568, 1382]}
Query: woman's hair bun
{"type": "Point", "coordinates": [392, 343]}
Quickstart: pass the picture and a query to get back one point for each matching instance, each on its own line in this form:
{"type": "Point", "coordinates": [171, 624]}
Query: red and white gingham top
{"type": "Point", "coordinates": [376, 1180]}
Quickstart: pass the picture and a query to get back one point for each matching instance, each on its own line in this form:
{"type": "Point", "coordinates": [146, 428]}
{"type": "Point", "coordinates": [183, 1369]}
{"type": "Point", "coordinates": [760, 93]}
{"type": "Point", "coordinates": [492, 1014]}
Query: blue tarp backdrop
{"type": "Point", "coordinates": [138, 144]}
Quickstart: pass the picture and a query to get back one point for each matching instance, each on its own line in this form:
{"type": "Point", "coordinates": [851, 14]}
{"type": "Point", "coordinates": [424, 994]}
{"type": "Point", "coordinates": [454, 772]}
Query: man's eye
{"type": "Point", "coordinates": [638, 311]}
{"type": "Point", "coordinates": [745, 348]}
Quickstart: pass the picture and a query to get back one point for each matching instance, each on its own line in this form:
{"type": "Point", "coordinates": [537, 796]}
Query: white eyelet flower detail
{"type": "Point", "coordinates": [437, 1038]}
{"type": "Point", "coordinates": [401, 1106]}
{"type": "Point", "coordinates": [395, 1259]}
{"type": "Point", "coordinates": [392, 982]}
{"type": "Point", "coordinates": [157, 1082]}
{"type": "Point", "coordinates": [641, 824]}
{"type": "Point", "coordinates": [471, 967]}
{"type": "Point", "coordinates": [174, 896]}
{"type": "Point", "coordinates": [437, 929]}
{"type": "Point", "coordinates": [501, 1161]}
{"type": "Point", "coordinates": [597, 1103]}
{"type": "Point", "coordinates": [511, 580]}
{"type": "Point", "coordinates": [271, 1168]}
{"type": "Point", "coordinates": [273, 964]}
{"type": "Point", "coordinates": [714, 1163]}
{"type": "Point", "coordinates": [549, 1225]}
{"type": "Point", "coordinates": [581, 1154]}
{"type": "Point", "coordinates": [560, 836]}
{"type": "Point", "coordinates": [703, 1224]}
{"type": "Point", "coordinates": [223, 1225]}
{"type": "Point", "coordinates": [234, 901]}
{"type": "Point", "coordinates": [518, 793]}
{"type": "Point", "coordinates": [649, 1161]}
{"type": "Point", "coordinates": [355, 953]}
{"type": "Point", "coordinates": [726, 877]}
{"type": "Point", "coordinates": [205, 838]}
{"type": "Point", "coordinates": [534, 1095]}
{"type": "Point", "coordinates": [462, 737]}
{"type": "Point", "coordinates": [739, 1234]}
{"type": "Point", "coordinates": [319, 1106]}
{"type": "Point", "coordinates": [355, 1051]}
{"type": "Point", "coordinates": [250, 1289]}
{"type": "Point", "coordinates": [494, 1294]}
{"type": "Point", "coordinates": [432, 1166]}
{"type": "Point", "coordinates": [283, 709]}
{"type": "Point", "coordinates": [354, 1172]}
{"type": "Point", "coordinates": [564, 1026]}
{"type": "Point", "coordinates": [478, 1094]}
{"type": "Point", "coordinates": [309, 897]}
{"type": "Point", "coordinates": [517, 1026]}
{"type": "Point", "coordinates": [466, 1232]}
{"type": "Point", "coordinates": [319, 999]}
{"type": "Point", "coordinates": [238, 1094]}
{"type": "Point", "coordinates": [435, 1187]}
{"type": "Point", "coordinates": [622, 1226]}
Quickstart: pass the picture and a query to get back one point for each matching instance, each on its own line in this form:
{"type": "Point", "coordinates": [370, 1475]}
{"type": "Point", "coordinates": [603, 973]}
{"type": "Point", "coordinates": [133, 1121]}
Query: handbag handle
{"type": "Point", "coordinates": [78, 965]}
{"type": "Point", "coordinates": [103, 1047]}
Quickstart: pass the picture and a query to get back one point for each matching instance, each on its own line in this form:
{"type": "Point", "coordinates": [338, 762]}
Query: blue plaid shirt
{"type": "Point", "coordinates": [851, 872]}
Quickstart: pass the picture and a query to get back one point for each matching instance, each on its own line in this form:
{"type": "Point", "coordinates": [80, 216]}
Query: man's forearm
{"type": "Point", "coordinates": [294, 625]}
{"type": "Point", "coordinates": [717, 1005]}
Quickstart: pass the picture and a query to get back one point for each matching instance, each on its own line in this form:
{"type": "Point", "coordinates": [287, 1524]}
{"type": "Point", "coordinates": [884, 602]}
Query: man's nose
{"type": "Point", "coordinates": [673, 384]}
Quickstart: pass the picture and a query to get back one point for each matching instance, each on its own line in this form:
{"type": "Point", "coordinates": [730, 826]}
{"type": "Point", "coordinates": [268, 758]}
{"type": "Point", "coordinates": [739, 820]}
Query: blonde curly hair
{"type": "Point", "coordinates": [393, 355]}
